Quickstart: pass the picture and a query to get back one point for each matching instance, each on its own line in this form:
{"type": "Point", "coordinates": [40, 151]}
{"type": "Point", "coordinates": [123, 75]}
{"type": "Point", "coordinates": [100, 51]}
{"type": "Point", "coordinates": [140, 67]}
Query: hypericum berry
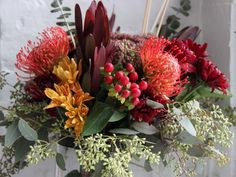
{"type": "Point", "coordinates": [108, 80]}
{"type": "Point", "coordinates": [134, 85]}
{"type": "Point", "coordinates": [118, 88]}
{"type": "Point", "coordinates": [108, 68]}
{"type": "Point", "coordinates": [135, 92]}
{"type": "Point", "coordinates": [133, 76]}
{"type": "Point", "coordinates": [135, 101]}
{"type": "Point", "coordinates": [119, 75]}
{"type": "Point", "coordinates": [125, 93]}
{"type": "Point", "coordinates": [129, 67]}
{"type": "Point", "coordinates": [143, 85]}
{"type": "Point", "coordinates": [124, 80]}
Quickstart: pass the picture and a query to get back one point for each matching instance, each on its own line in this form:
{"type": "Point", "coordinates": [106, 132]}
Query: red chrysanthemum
{"type": "Point", "coordinates": [161, 67]}
{"type": "Point", "coordinates": [39, 57]}
{"type": "Point", "coordinates": [212, 75]}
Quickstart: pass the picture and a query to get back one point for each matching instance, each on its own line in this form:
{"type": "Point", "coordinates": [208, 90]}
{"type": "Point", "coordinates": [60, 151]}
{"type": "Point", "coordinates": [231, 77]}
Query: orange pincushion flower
{"type": "Point", "coordinates": [39, 57]}
{"type": "Point", "coordinates": [161, 68]}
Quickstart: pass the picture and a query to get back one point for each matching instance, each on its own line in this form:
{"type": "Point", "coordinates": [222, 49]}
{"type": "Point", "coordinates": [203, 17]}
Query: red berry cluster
{"type": "Point", "coordinates": [123, 85]}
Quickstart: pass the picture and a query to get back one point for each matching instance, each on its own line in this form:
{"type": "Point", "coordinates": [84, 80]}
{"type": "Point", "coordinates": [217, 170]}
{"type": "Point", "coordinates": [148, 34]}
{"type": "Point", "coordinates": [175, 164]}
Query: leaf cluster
{"type": "Point", "coordinates": [169, 29]}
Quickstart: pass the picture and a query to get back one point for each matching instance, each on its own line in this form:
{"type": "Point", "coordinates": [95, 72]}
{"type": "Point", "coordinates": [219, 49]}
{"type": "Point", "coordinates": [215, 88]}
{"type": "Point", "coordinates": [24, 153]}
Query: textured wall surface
{"type": "Point", "coordinates": [21, 20]}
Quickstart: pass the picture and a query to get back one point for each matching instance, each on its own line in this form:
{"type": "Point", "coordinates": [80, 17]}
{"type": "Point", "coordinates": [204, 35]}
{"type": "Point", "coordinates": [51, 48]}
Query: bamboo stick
{"type": "Point", "coordinates": [158, 16]}
{"type": "Point", "coordinates": [146, 16]}
{"type": "Point", "coordinates": [162, 17]}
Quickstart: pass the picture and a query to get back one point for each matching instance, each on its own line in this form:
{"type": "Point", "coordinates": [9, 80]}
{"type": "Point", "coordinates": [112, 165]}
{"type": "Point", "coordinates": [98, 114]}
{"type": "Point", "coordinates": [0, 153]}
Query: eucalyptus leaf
{"type": "Point", "coordinates": [43, 134]}
{"type": "Point", "coordinates": [98, 118]}
{"type": "Point", "coordinates": [65, 15]}
{"type": "Point", "coordinates": [188, 126]}
{"type": "Point", "coordinates": [26, 131]}
{"type": "Point", "coordinates": [116, 116]}
{"type": "Point", "coordinates": [180, 10]}
{"type": "Point", "coordinates": [187, 138]}
{"type": "Point", "coordinates": [54, 4]}
{"type": "Point", "coordinates": [12, 134]}
{"type": "Point", "coordinates": [58, 9]}
{"type": "Point", "coordinates": [154, 104]}
{"type": "Point", "coordinates": [65, 23]}
{"type": "Point", "coordinates": [60, 161]}
{"type": "Point", "coordinates": [196, 151]}
{"type": "Point", "coordinates": [144, 128]}
{"type": "Point", "coordinates": [22, 147]}
{"type": "Point", "coordinates": [124, 131]}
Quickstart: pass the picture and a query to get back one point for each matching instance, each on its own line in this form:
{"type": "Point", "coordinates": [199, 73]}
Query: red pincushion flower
{"type": "Point", "coordinates": [212, 75]}
{"type": "Point", "coordinates": [161, 68]}
{"type": "Point", "coordinates": [39, 57]}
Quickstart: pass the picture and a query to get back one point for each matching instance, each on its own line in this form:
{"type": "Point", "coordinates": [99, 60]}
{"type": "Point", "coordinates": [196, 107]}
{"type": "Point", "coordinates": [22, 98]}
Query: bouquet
{"type": "Point", "coordinates": [115, 99]}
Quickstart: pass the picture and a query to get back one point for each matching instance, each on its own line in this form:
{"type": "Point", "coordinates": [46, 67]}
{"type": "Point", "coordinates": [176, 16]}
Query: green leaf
{"type": "Point", "coordinates": [197, 151]}
{"type": "Point", "coordinates": [26, 131]}
{"type": "Point", "coordinates": [97, 118]}
{"type": "Point", "coordinates": [187, 138]}
{"type": "Point", "coordinates": [65, 23]}
{"type": "Point", "coordinates": [2, 117]}
{"type": "Point", "coordinates": [22, 147]}
{"type": "Point", "coordinates": [116, 116]}
{"type": "Point", "coordinates": [144, 128]}
{"type": "Point", "coordinates": [74, 173]}
{"type": "Point", "coordinates": [12, 134]}
{"type": "Point", "coordinates": [174, 24]}
{"type": "Point", "coordinates": [147, 166]}
{"type": "Point", "coordinates": [188, 126]}
{"type": "Point", "coordinates": [43, 134]}
{"type": "Point", "coordinates": [154, 104]}
{"type": "Point", "coordinates": [58, 9]}
{"type": "Point", "coordinates": [98, 170]}
{"type": "Point", "coordinates": [180, 10]}
{"type": "Point", "coordinates": [60, 161]}
{"type": "Point", "coordinates": [207, 92]}
{"type": "Point", "coordinates": [124, 131]}
{"type": "Point", "coordinates": [54, 4]}
{"type": "Point", "coordinates": [65, 15]}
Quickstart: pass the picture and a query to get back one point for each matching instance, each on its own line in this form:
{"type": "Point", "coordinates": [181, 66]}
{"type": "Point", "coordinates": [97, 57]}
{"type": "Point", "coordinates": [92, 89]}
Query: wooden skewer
{"type": "Point", "coordinates": [158, 16]}
{"type": "Point", "coordinates": [146, 16]}
{"type": "Point", "coordinates": [162, 17]}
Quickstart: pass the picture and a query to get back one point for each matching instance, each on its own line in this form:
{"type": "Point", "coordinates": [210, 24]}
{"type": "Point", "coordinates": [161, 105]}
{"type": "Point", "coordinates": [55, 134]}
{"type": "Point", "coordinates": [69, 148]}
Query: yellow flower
{"type": "Point", "coordinates": [66, 70]}
{"type": "Point", "coordinates": [73, 102]}
{"type": "Point", "coordinates": [69, 95]}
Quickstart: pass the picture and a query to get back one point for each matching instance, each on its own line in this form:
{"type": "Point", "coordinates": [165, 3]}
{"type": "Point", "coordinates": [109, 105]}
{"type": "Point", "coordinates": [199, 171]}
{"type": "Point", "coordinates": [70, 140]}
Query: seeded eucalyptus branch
{"type": "Point", "coordinates": [65, 14]}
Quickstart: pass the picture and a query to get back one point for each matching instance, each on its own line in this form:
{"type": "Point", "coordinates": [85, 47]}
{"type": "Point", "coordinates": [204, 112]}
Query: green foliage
{"type": "Point", "coordinates": [12, 134]}
{"type": "Point", "coordinates": [169, 29]}
{"type": "Point", "coordinates": [41, 150]}
{"type": "Point", "coordinates": [57, 6]}
{"type": "Point", "coordinates": [95, 149]}
{"type": "Point", "coordinates": [60, 161]}
{"type": "Point", "coordinates": [97, 118]}
{"type": "Point", "coordinates": [26, 131]}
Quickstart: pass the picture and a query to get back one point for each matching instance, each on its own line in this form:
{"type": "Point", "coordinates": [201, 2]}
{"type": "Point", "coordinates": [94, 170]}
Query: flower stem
{"type": "Point", "coordinates": [188, 95]}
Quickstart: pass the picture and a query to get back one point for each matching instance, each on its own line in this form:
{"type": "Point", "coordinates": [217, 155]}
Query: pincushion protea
{"type": "Point", "coordinates": [161, 68]}
{"type": "Point", "coordinates": [39, 57]}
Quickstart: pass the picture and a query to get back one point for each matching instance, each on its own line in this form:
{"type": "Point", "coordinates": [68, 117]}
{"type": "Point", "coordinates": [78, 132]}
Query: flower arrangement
{"type": "Point", "coordinates": [115, 98]}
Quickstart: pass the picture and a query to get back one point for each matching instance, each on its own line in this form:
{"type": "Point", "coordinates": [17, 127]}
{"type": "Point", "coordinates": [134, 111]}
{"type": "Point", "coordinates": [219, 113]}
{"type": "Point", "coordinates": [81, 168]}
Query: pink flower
{"type": "Point", "coordinates": [39, 57]}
